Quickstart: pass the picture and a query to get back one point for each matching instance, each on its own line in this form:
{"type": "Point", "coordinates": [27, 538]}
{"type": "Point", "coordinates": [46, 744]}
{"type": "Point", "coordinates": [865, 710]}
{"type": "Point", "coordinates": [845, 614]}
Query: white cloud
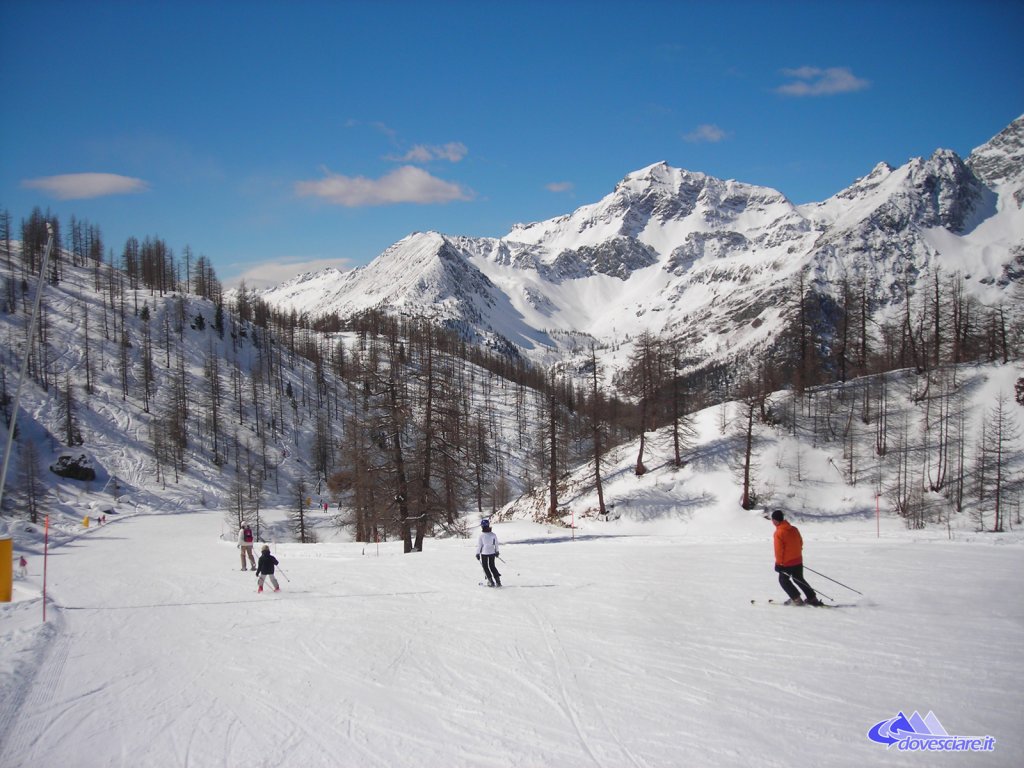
{"type": "Point", "coordinates": [705, 133]}
{"type": "Point", "coordinates": [81, 186]}
{"type": "Point", "coordinates": [418, 154]}
{"type": "Point", "coordinates": [814, 81]}
{"type": "Point", "coordinates": [559, 186]}
{"type": "Point", "coordinates": [407, 184]}
{"type": "Point", "coordinates": [453, 152]}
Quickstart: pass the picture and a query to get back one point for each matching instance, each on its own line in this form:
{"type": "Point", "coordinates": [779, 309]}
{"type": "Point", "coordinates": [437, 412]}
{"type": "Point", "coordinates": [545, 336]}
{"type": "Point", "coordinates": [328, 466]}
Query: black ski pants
{"type": "Point", "coordinates": [790, 575]}
{"type": "Point", "coordinates": [490, 569]}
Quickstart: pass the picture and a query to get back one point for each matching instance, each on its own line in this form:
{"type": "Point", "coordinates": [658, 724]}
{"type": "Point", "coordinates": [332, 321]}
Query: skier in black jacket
{"type": "Point", "coordinates": [265, 568]}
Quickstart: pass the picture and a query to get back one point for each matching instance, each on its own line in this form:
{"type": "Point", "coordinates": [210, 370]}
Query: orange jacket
{"type": "Point", "coordinates": [789, 546]}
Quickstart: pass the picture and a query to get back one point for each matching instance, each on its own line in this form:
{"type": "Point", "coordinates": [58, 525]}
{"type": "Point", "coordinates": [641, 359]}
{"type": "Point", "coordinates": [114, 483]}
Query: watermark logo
{"type": "Point", "coordinates": [925, 734]}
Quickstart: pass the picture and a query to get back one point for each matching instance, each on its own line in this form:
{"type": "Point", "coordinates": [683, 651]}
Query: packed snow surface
{"type": "Point", "coordinates": [613, 645]}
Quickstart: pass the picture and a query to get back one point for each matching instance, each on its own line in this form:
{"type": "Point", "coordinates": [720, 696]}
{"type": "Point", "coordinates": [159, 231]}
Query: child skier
{"type": "Point", "coordinates": [23, 567]}
{"type": "Point", "coordinates": [486, 552]}
{"type": "Point", "coordinates": [265, 568]}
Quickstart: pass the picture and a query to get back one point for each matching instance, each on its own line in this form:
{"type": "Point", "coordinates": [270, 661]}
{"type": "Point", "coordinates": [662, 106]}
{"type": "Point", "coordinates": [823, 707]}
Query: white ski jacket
{"type": "Point", "coordinates": [487, 544]}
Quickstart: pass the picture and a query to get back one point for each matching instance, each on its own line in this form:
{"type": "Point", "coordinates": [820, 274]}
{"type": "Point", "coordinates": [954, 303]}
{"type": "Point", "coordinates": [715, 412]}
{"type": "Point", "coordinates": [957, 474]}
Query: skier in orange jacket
{"type": "Point", "coordinates": [789, 562]}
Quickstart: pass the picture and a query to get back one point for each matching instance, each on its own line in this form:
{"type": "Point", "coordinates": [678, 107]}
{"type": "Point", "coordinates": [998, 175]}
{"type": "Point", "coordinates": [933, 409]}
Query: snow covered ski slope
{"type": "Point", "coordinates": [612, 651]}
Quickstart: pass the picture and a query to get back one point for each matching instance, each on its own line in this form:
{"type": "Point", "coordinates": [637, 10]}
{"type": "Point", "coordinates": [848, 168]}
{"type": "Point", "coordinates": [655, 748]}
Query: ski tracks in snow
{"type": "Point", "coordinates": [562, 660]}
{"type": "Point", "coordinates": [36, 695]}
{"type": "Point", "coordinates": [315, 722]}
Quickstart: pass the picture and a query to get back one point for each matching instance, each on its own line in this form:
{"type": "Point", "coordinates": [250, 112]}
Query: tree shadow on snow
{"type": "Point", "coordinates": [569, 537]}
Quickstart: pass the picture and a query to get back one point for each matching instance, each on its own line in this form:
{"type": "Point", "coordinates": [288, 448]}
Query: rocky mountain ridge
{"type": "Point", "coordinates": [709, 261]}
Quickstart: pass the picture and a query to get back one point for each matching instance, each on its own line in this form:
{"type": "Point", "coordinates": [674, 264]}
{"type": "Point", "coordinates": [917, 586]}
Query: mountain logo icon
{"type": "Point", "coordinates": [925, 734]}
{"type": "Point", "coordinates": [896, 729]}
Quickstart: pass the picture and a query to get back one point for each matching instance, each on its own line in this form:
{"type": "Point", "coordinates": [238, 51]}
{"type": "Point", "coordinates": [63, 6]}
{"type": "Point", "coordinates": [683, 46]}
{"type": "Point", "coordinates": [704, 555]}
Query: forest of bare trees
{"type": "Point", "coordinates": [402, 426]}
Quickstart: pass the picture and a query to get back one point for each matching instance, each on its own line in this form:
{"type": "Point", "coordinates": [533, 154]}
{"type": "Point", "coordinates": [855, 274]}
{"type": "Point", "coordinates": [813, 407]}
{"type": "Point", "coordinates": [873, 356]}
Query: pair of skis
{"type": "Point", "coordinates": [786, 604]}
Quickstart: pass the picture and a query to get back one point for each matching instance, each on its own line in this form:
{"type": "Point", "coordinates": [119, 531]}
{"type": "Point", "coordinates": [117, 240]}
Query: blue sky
{"type": "Point", "coordinates": [276, 137]}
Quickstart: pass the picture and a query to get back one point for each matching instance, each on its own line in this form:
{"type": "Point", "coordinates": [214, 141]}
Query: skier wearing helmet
{"type": "Point", "coordinates": [265, 568]}
{"type": "Point", "coordinates": [486, 552]}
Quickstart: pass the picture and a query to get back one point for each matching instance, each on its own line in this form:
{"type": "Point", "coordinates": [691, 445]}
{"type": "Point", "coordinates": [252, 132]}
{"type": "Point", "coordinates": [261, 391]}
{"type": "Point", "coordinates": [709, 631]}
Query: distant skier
{"type": "Point", "coordinates": [245, 545]}
{"type": "Point", "coordinates": [789, 562]}
{"type": "Point", "coordinates": [23, 567]}
{"type": "Point", "coordinates": [486, 552]}
{"type": "Point", "coordinates": [265, 569]}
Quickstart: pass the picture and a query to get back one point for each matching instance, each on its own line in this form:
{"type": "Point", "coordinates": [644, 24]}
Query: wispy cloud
{"type": "Point", "coordinates": [272, 273]}
{"type": "Point", "coordinates": [705, 134]}
{"type": "Point", "coordinates": [82, 186]}
{"type": "Point", "coordinates": [382, 128]}
{"type": "Point", "coordinates": [453, 152]}
{"type": "Point", "coordinates": [815, 81]}
{"type": "Point", "coordinates": [407, 184]}
{"type": "Point", "coordinates": [559, 186]}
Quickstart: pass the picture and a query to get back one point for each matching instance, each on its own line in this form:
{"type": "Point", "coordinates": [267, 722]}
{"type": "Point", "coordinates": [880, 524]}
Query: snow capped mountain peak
{"type": "Point", "coordinates": [325, 273]}
{"type": "Point", "coordinates": [675, 192]}
{"type": "Point", "coordinates": [708, 260]}
{"type": "Point", "coordinates": [657, 206]}
{"type": "Point", "coordinates": [660, 177]}
{"type": "Point", "coordinates": [1001, 159]}
{"type": "Point", "coordinates": [939, 190]}
{"type": "Point", "coordinates": [863, 185]}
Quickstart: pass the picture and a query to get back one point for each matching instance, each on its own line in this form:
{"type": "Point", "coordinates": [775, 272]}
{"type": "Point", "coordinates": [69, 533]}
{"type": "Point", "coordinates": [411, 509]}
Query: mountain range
{"type": "Point", "coordinates": [710, 262]}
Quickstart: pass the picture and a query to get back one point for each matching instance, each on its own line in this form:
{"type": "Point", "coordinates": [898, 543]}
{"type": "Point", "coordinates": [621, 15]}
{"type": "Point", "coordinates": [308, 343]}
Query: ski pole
{"type": "Point", "coordinates": [506, 563]}
{"type": "Point", "coordinates": [833, 580]}
{"type": "Point", "coordinates": [819, 593]}
{"type": "Point", "coordinates": [283, 574]}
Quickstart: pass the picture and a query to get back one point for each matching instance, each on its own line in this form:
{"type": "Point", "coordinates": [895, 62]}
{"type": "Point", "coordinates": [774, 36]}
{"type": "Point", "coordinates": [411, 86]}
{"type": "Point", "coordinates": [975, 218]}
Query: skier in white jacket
{"type": "Point", "coordinates": [486, 552]}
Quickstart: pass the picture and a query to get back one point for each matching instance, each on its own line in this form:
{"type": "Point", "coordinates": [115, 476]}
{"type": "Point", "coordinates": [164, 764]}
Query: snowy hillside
{"type": "Point", "coordinates": [716, 264]}
{"type": "Point", "coordinates": [645, 639]}
{"type": "Point", "coordinates": [172, 408]}
{"type": "Point", "coordinates": [819, 456]}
